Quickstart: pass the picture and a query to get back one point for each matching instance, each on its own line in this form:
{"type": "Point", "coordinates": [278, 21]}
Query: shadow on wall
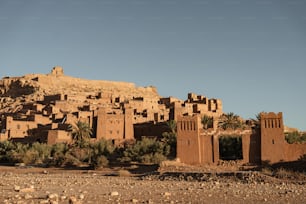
{"type": "Point", "coordinates": [297, 165]}
{"type": "Point", "coordinates": [17, 88]}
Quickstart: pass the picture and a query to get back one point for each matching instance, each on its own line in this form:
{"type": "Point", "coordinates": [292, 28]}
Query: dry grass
{"type": "Point", "coordinates": [267, 171]}
{"type": "Point", "coordinates": [123, 173]}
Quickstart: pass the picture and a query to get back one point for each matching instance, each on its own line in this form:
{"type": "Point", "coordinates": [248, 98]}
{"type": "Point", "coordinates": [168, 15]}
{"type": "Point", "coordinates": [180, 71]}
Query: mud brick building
{"type": "Point", "coordinates": [265, 144]}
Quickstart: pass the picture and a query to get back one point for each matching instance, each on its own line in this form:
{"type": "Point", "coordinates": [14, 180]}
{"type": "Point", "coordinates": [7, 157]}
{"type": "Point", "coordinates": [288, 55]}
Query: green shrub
{"type": "Point", "coordinates": [5, 148]}
{"type": "Point", "coordinates": [100, 161]}
{"type": "Point", "coordinates": [18, 152]}
{"type": "Point", "coordinates": [70, 160]}
{"type": "Point", "coordinates": [230, 147]}
{"type": "Point", "coordinates": [100, 152]}
{"type": "Point", "coordinates": [169, 140]}
{"type": "Point", "coordinates": [295, 137]}
{"type": "Point", "coordinates": [41, 151]}
{"type": "Point", "coordinates": [146, 151]}
{"type": "Point", "coordinates": [57, 155]}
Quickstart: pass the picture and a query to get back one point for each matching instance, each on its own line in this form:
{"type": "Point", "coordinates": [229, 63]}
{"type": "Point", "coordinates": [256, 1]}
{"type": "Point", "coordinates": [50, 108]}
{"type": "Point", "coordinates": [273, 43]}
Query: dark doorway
{"type": "Point", "coordinates": [230, 147]}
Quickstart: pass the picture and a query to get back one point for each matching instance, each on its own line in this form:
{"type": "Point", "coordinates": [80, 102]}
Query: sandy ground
{"type": "Point", "coordinates": [39, 185]}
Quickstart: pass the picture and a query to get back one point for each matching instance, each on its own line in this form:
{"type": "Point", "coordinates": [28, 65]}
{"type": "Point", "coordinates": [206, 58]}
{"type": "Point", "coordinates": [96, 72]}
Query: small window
{"type": "Point", "coordinates": [18, 126]}
{"type": "Point", "coordinates": [272, 141]}
{"type": "Point", "coordinates": [110, 132]}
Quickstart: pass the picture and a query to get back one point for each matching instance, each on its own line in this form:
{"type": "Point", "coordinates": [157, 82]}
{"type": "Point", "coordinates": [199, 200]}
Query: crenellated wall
{"type": "Point", "coordinates": [266, 144]}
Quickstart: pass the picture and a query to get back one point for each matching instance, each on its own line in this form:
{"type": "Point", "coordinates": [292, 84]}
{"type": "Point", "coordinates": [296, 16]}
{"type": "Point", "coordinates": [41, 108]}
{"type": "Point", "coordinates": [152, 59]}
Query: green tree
{"type": "Point", "coordinates": [230, 121]}
{"type": "Point", "coordinates": [295, 137]}
{"type": "Point", "coordinates": [172, 125]}
{"type": "Point", "coordinates": [100, 153]}
{"type": "Point", "coordinates": [207, 122]}
{"type": "Point", "coordinates": [81, 133]}
{"type": "Point", "coordinates": [169, 138]}
{"type": "Point", "coordinates": [256, 121]}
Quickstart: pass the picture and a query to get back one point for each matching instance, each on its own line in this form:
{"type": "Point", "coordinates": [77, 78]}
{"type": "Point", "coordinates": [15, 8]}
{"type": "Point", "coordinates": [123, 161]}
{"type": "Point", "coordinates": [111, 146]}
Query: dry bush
{"type": "Point", "coordinates": [283, 173]}
{"type": "Point", "coordinates": [124, 173]}
{"type": "Point", "coordinates": [100, 162]}
{"type": "Point", "coordinates": [267, 171]}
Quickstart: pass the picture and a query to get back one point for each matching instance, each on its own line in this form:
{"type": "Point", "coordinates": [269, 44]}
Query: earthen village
{"type": "Point", "coordinates": [41, 107]}
{"type": "Point", "coordinates": [71, 140]}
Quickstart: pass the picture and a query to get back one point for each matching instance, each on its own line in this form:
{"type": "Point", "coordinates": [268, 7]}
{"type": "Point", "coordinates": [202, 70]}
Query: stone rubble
{"type": "Point", "coordinates": [77, 187]}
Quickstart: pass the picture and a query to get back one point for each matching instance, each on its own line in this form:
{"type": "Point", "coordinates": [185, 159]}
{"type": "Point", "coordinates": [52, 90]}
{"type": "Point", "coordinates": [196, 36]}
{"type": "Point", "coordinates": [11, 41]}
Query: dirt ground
{"type": "Point", "coordinates": [113, 185]}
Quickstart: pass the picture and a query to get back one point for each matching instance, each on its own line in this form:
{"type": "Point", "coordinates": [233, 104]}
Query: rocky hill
{"type": "Point", "coordinates": [33, 87]}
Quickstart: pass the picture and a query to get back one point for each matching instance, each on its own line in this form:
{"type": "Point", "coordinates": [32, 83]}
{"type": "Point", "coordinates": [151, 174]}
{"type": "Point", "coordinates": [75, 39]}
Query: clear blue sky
{"type": "Point", "coordinates": [249, 53]}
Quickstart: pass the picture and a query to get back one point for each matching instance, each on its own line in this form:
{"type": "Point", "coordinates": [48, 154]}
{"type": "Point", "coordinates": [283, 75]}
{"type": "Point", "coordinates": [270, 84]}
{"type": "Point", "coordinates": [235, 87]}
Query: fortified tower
{"type": "Point", "coordinates": [272, 137]}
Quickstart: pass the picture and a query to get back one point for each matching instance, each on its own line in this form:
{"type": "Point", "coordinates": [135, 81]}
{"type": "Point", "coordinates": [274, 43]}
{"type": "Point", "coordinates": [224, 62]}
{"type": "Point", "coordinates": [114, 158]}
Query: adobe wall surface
{"type": "Point", "coordinates": [198, 146]}
{"type": "Point", "coordinates": [114, 126]}
{"type": "Point", "coordinates": [272, 137]}
{"type": "Point", "coordinates": [294, 151]}
{"type": "Point", "coordinates": [188, 143]}
{"type": "Point", "coordinates": [150, 129]}
{"type": "Point", "coordinates": [58, 136]}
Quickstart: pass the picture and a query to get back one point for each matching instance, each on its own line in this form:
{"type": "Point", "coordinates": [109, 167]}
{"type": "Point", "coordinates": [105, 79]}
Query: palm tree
{"type": "Point", "coordinates": [207, 122]}
{"type": "Point", "coordinates": [256, 121]}
{"type": "Point", "coordinates": [81, 132]}
{"type": "Point", "coordinates": [229, 121]}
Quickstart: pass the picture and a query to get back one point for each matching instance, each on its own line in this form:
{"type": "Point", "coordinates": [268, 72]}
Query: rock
{"type": "Point", "coordinates": [167, 194]}
{"type": "Point", "coordinates": [53, 196]}
{"type": "Point", "coordinates": [63, 197]}
{"type": "Point", "coordinates": [134, 200]}
{"type": "Point", "coordinates": [73, 200]}
{"type": "Point", "coordinates": [114, 193]}
{"type": "Point", "coordinates": [27, 190]}
{"type": "Point", "coordinates": [81, 196]}
{"type": "Point", "coordinates": [17, 188]}
{"type": "Point", "coordinates": [27, 196]}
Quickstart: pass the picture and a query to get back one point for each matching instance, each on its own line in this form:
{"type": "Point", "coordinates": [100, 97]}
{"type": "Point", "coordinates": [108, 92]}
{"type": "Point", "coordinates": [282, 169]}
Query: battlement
{"type": "Point", "coordinates": [271, 120]}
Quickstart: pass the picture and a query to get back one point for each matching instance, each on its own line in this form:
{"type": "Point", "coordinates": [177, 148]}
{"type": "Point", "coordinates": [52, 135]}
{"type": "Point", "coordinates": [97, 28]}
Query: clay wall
{"type": "Point", "coordinates": [18, 129]}
{"type": "Point", "coordinates": [86, 117]}
{"type": "Point", "coordinates": [114, 126]}
{"type": "Point", "coordinates": [57, 71]}
{"type": "Point", "coordinates": [64, 106]}
{"type": "Point", "coordinates": [52, 98]}
{"type": "Point", "coordinates": [272, 137]}
{"type": "Point", "coordinates": [294, 151]}
{"type": "Point", "coordinates": [198, 146]}
{"type": "Point", "coordinates": [128, 124]}
{"type": "Point", "coordinates": [40, 119]}
{"type": "Point", "coordinates": [188, 142]}
{"type": "Point", "coordinates": [207, 149]}
{"type": "Point", "coordinates": [200, 108]}
{"type": "Point", "coordinates": [254, 142]}
{"type": "Point", "coordinates": [58, 136]}
{"type": "Point", "coordinates": [150, 129]}
{"type": "Point", "coordinates": [3, 136]}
